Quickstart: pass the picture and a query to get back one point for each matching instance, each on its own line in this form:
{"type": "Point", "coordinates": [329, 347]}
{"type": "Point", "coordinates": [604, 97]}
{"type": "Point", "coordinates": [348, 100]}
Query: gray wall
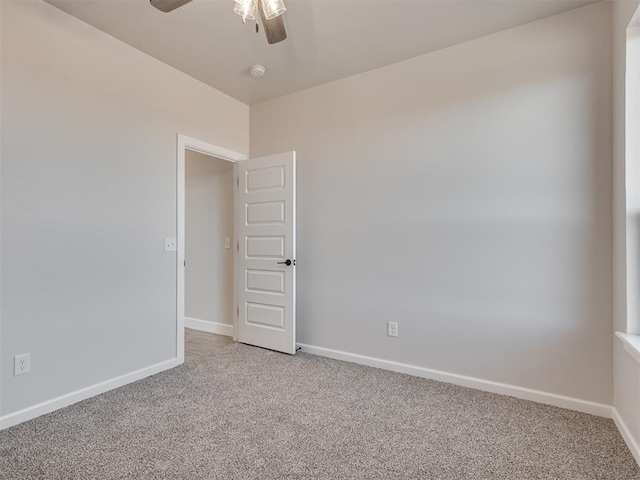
{"type": "Point", "coordinates": [88, 193]}
{"type": "Point", "coordinates": [465, 194]}
{"type": "Point", "coordinates": [209, 219]}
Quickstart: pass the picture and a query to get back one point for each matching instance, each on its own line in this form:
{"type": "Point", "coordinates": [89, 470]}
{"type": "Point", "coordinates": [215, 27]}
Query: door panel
{"type": "Point", "coordinates": [271, 316]}
{"type": "Point", "coordinates": [265, 213]}
{"type": "Point", "coordinates": [266, 178]}
{"type": "Point", "coordinates": [265, 282]}
{"type": "Point", "coordinates": [265, 226]}
{"type": "Point", "coordinates": [266, 247]}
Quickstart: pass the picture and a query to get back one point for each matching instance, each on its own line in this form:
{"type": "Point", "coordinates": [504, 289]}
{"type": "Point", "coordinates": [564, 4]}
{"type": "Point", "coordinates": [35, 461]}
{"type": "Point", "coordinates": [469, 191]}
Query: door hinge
{"type": "Point", "coordinates": [238, 245]}
{"type": "Point", "coordinates": [185, 263]}
{"type": "Point", "coordinates": [238, 181]}
{"type": "Point", "coordinates": [237, 311]}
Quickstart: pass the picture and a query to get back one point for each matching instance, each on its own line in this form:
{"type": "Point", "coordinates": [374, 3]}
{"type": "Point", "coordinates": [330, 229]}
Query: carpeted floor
{"type": "Point", "coordinates": [246, 413]}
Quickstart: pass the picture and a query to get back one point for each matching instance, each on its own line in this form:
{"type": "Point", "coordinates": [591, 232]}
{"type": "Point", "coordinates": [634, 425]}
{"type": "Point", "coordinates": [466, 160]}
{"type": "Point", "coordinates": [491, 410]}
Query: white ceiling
{"type": "Point", "coordinates": [328, 39]}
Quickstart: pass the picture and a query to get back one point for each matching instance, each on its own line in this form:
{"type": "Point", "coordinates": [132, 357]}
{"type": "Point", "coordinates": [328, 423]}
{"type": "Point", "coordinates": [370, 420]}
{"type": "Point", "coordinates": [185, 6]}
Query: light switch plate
{"type": "Point", "coordinates": [170, 244]}
{"type": "Point", "coordinates": [227, 242]}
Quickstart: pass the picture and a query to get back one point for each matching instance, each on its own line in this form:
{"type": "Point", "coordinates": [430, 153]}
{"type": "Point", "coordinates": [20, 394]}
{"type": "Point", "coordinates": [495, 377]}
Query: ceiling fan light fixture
{"type": "Point", "coordinates": [273, 8]}
{"type": "Point", "coordinates": [246, 9]}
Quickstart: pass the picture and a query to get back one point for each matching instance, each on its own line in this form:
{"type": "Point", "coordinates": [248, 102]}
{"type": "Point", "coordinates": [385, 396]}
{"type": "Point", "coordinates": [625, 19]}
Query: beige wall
{"type": "Point", "coordinates": [88, 193]}
{"type": "Point", "coordinates": [465, 194]}
{"type": "Point", "coordinates": [209, 219]}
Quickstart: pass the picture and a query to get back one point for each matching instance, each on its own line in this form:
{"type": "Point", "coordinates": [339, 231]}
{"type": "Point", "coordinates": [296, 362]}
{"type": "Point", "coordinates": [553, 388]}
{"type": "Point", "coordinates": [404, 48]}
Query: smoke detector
{"type": "Point", "coordinates": [257, 71]}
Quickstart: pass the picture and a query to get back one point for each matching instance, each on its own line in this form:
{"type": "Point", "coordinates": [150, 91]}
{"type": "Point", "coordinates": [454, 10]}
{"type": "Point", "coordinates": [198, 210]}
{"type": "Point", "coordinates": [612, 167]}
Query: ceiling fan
{"type": "Point", "coordinates": [270, 12]}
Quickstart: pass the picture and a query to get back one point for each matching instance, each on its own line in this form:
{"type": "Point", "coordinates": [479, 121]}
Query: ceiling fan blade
{"type": "Point", "coordinates": [274, 28]}
{"type": "Point", "coordinates": [168, 5]}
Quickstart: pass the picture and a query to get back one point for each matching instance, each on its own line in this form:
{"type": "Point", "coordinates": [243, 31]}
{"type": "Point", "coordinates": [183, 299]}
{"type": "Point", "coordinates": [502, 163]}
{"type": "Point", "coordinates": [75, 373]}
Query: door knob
{"type": "Point", "coordinates": [287, 262]}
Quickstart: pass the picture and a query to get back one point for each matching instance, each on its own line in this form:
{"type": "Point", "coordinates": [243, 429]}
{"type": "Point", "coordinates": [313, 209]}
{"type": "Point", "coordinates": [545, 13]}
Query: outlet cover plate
{"type": "Point", "coordinates": [392, 329]}
{"type": "Point", "coordinates": [21, 364]}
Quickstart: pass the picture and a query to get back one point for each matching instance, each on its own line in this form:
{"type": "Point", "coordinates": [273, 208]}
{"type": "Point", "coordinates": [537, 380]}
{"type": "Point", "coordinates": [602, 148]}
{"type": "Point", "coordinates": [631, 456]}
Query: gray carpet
{"type": "Point", "coordinates": [247, 413]}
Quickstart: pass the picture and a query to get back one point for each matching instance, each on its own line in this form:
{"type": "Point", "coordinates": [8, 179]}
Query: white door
{"type": "Point", "coordinates": [265, 275]}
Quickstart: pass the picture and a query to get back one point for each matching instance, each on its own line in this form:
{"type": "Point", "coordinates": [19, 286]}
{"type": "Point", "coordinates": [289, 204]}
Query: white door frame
{"type": "Point", "coordinates": [187, 143]}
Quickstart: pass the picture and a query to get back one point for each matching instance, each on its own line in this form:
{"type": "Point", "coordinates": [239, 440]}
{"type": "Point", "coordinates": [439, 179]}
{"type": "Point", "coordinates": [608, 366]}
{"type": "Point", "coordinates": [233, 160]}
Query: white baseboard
{"type": "Point", "coordinates": [206, 326]}
{"type": "Point", "coordinates": [477, 383]}
{"type": "Point", "coordinates": [82, 394]}
{"type": "Point", "coordinates": [626, 434]}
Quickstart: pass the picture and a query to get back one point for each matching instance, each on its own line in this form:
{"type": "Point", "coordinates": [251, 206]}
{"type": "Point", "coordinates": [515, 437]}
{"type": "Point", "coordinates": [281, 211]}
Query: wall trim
{"type": "Point", "coordinates": [626, 435]}
{"type": "Point", "coordinates": [631, 344]}
{"type": "Point", "coordinates": [84, 393]}
{"type": "Point", "coordinates": [547, 398]}
{"type": "Point", "coordinates": [211, 327]}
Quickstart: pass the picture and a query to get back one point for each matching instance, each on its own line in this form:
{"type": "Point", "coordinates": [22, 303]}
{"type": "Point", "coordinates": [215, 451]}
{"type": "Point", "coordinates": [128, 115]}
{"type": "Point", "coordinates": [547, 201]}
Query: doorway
{"type": "Point", "coordinates": [205, 237]}
{"type": "Point", "coordinates": [209, 258]}
{"type": "Point", "coordinates": [264, 262]}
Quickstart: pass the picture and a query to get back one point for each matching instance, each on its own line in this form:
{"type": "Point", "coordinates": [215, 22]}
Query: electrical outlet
{"type": "Point", "coordinates": [21, 364]}
{"type": "Point", "coordinates": [170, 244]}
{"type": "Point", "coordinates": [392, 329]}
